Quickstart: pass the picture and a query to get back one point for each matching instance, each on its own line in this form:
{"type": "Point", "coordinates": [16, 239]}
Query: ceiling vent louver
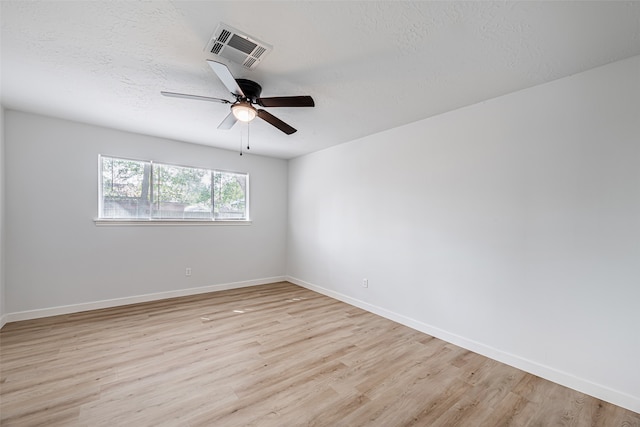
{"type": "Point", "coordinates": [237, 46]}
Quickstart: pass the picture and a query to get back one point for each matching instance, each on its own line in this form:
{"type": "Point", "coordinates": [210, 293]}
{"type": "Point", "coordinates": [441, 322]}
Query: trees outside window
{"type": "Point", "coordinates": [135, 189]}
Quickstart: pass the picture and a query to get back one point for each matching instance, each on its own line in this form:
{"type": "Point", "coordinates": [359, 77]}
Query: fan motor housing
{"type": "Point", "coordinates": [251, 89]}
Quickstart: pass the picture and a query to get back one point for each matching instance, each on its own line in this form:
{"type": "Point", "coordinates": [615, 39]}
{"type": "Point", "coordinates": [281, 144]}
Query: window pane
{"type": "Point", "coordinates": [230, 192]}
{"type": "Point", "coordinates": [125, 188]}
{"type": "Point", "coordinates": [180, 192]}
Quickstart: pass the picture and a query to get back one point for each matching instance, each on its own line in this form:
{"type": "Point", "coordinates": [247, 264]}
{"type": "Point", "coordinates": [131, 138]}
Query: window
{"type": "Point", "coordinates": [144, 190]}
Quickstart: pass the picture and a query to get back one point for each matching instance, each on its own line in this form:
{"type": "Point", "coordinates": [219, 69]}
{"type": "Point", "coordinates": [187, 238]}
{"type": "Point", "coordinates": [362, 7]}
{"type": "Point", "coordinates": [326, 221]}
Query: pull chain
{"type": "Point", "coordinates": [241, 142]}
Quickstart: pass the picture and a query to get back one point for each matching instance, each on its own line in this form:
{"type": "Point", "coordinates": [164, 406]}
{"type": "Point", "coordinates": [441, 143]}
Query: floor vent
{"type": "Point", "coordinates": [238, 47]}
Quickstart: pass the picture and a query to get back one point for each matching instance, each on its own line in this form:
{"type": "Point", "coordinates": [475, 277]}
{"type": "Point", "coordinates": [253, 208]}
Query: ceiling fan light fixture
{"type": "Point", "coordinates": [244, 111]}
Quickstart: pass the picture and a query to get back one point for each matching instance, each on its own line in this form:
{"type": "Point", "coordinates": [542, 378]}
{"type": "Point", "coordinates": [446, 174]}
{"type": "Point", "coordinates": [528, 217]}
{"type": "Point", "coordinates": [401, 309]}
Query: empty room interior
{"type": "Point", "coordinates": [344, 213]}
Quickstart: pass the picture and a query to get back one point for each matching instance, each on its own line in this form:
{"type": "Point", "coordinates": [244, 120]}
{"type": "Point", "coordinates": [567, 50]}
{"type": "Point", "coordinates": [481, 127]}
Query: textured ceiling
{"type": "Point", "coordinates": [370, 66]}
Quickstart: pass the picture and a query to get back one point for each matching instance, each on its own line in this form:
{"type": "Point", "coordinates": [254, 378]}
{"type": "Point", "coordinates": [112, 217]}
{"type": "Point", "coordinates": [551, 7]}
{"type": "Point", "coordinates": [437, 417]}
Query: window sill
{"type": "Point", "coordinates": [171, 222]}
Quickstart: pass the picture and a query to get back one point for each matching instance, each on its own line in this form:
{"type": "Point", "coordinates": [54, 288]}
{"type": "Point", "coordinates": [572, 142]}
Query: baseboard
{"type": "Point", "coordinates": [75, 308]}
{"type": "Point", "coordinates": [3, 320]}
{"type": "Point", "coordinates": [547, 372]}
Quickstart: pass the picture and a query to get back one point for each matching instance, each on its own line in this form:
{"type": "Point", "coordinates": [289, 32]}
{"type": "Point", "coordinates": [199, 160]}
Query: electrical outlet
{"type": "Point", "coordinates": [187, 271]}
{"type": "Point", "coordinates": [365, 283]}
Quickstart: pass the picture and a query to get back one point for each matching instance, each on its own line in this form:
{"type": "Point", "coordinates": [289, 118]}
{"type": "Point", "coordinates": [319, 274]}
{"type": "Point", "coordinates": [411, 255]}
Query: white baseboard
{"type": "Point", "coordinates": [95, 305]}
{"type": "Point", "coordinates": [547, 372]}
{"type": "Point", "coordinates": [3, 320]}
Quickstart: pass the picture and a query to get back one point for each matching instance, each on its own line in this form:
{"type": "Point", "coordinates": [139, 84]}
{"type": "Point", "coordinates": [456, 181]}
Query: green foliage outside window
{"type": "Point", "coordinates": [143, 190]}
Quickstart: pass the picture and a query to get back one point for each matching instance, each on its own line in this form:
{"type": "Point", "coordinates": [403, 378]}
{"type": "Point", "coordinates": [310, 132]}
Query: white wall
{"type": "Point", "coordinates": [510, 227]}
{"type": "Point", "coordinates": [2, 228]}
{"type": "Point", "coordinates": [56, 256]}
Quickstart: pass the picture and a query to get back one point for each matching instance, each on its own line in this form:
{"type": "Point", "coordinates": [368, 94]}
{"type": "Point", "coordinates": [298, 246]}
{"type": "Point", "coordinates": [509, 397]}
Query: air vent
{"type": "Point", "coordinates": [217, 47]}
{"type": "Point", "coordinates": [224, 36]}
{"type": "Point", "coordinates": [237, 46]}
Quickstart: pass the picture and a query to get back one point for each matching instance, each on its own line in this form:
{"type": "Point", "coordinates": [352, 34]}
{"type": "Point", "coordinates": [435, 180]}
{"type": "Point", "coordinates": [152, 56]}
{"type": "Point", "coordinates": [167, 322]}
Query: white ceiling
{"type": "Point", "coordinates": [369, 65]}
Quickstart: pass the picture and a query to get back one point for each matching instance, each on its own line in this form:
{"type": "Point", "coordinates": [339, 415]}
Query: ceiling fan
{"type": "Point", "coordinates": [247, 94]}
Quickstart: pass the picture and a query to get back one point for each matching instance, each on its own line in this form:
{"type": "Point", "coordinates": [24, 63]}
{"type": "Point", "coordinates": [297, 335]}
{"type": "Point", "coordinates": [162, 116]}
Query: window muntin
{"type": "Point", "coordinates": [143, 190]}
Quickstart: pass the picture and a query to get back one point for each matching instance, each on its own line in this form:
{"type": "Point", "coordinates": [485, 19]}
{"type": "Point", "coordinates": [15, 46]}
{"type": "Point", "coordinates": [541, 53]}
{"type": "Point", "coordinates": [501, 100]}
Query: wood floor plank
{"type": "Point", "coordinates": [271, 355]}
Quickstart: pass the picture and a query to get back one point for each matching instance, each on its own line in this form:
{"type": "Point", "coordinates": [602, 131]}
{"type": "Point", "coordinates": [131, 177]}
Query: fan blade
{"type": "Point", "coordinates": [198, 97]}
{"type": "Point", "coordinates": [273, 120]}
{"type": "Point", "coordinates": [228, 122]}
{"type": "Point", "coordinates": [226, 77]}
{"type": "Point", "coordinates": [287, 101]}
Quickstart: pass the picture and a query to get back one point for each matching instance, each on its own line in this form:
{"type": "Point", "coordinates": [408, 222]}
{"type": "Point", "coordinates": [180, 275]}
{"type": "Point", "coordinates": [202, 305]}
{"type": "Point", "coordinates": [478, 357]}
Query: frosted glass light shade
{"type": "Point", "coordinates": [244, 111]}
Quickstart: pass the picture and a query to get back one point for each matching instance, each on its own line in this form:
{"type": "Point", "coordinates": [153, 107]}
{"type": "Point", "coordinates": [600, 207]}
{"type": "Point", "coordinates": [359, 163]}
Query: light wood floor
{"type": "Point", "coordinates": [273, 355]}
